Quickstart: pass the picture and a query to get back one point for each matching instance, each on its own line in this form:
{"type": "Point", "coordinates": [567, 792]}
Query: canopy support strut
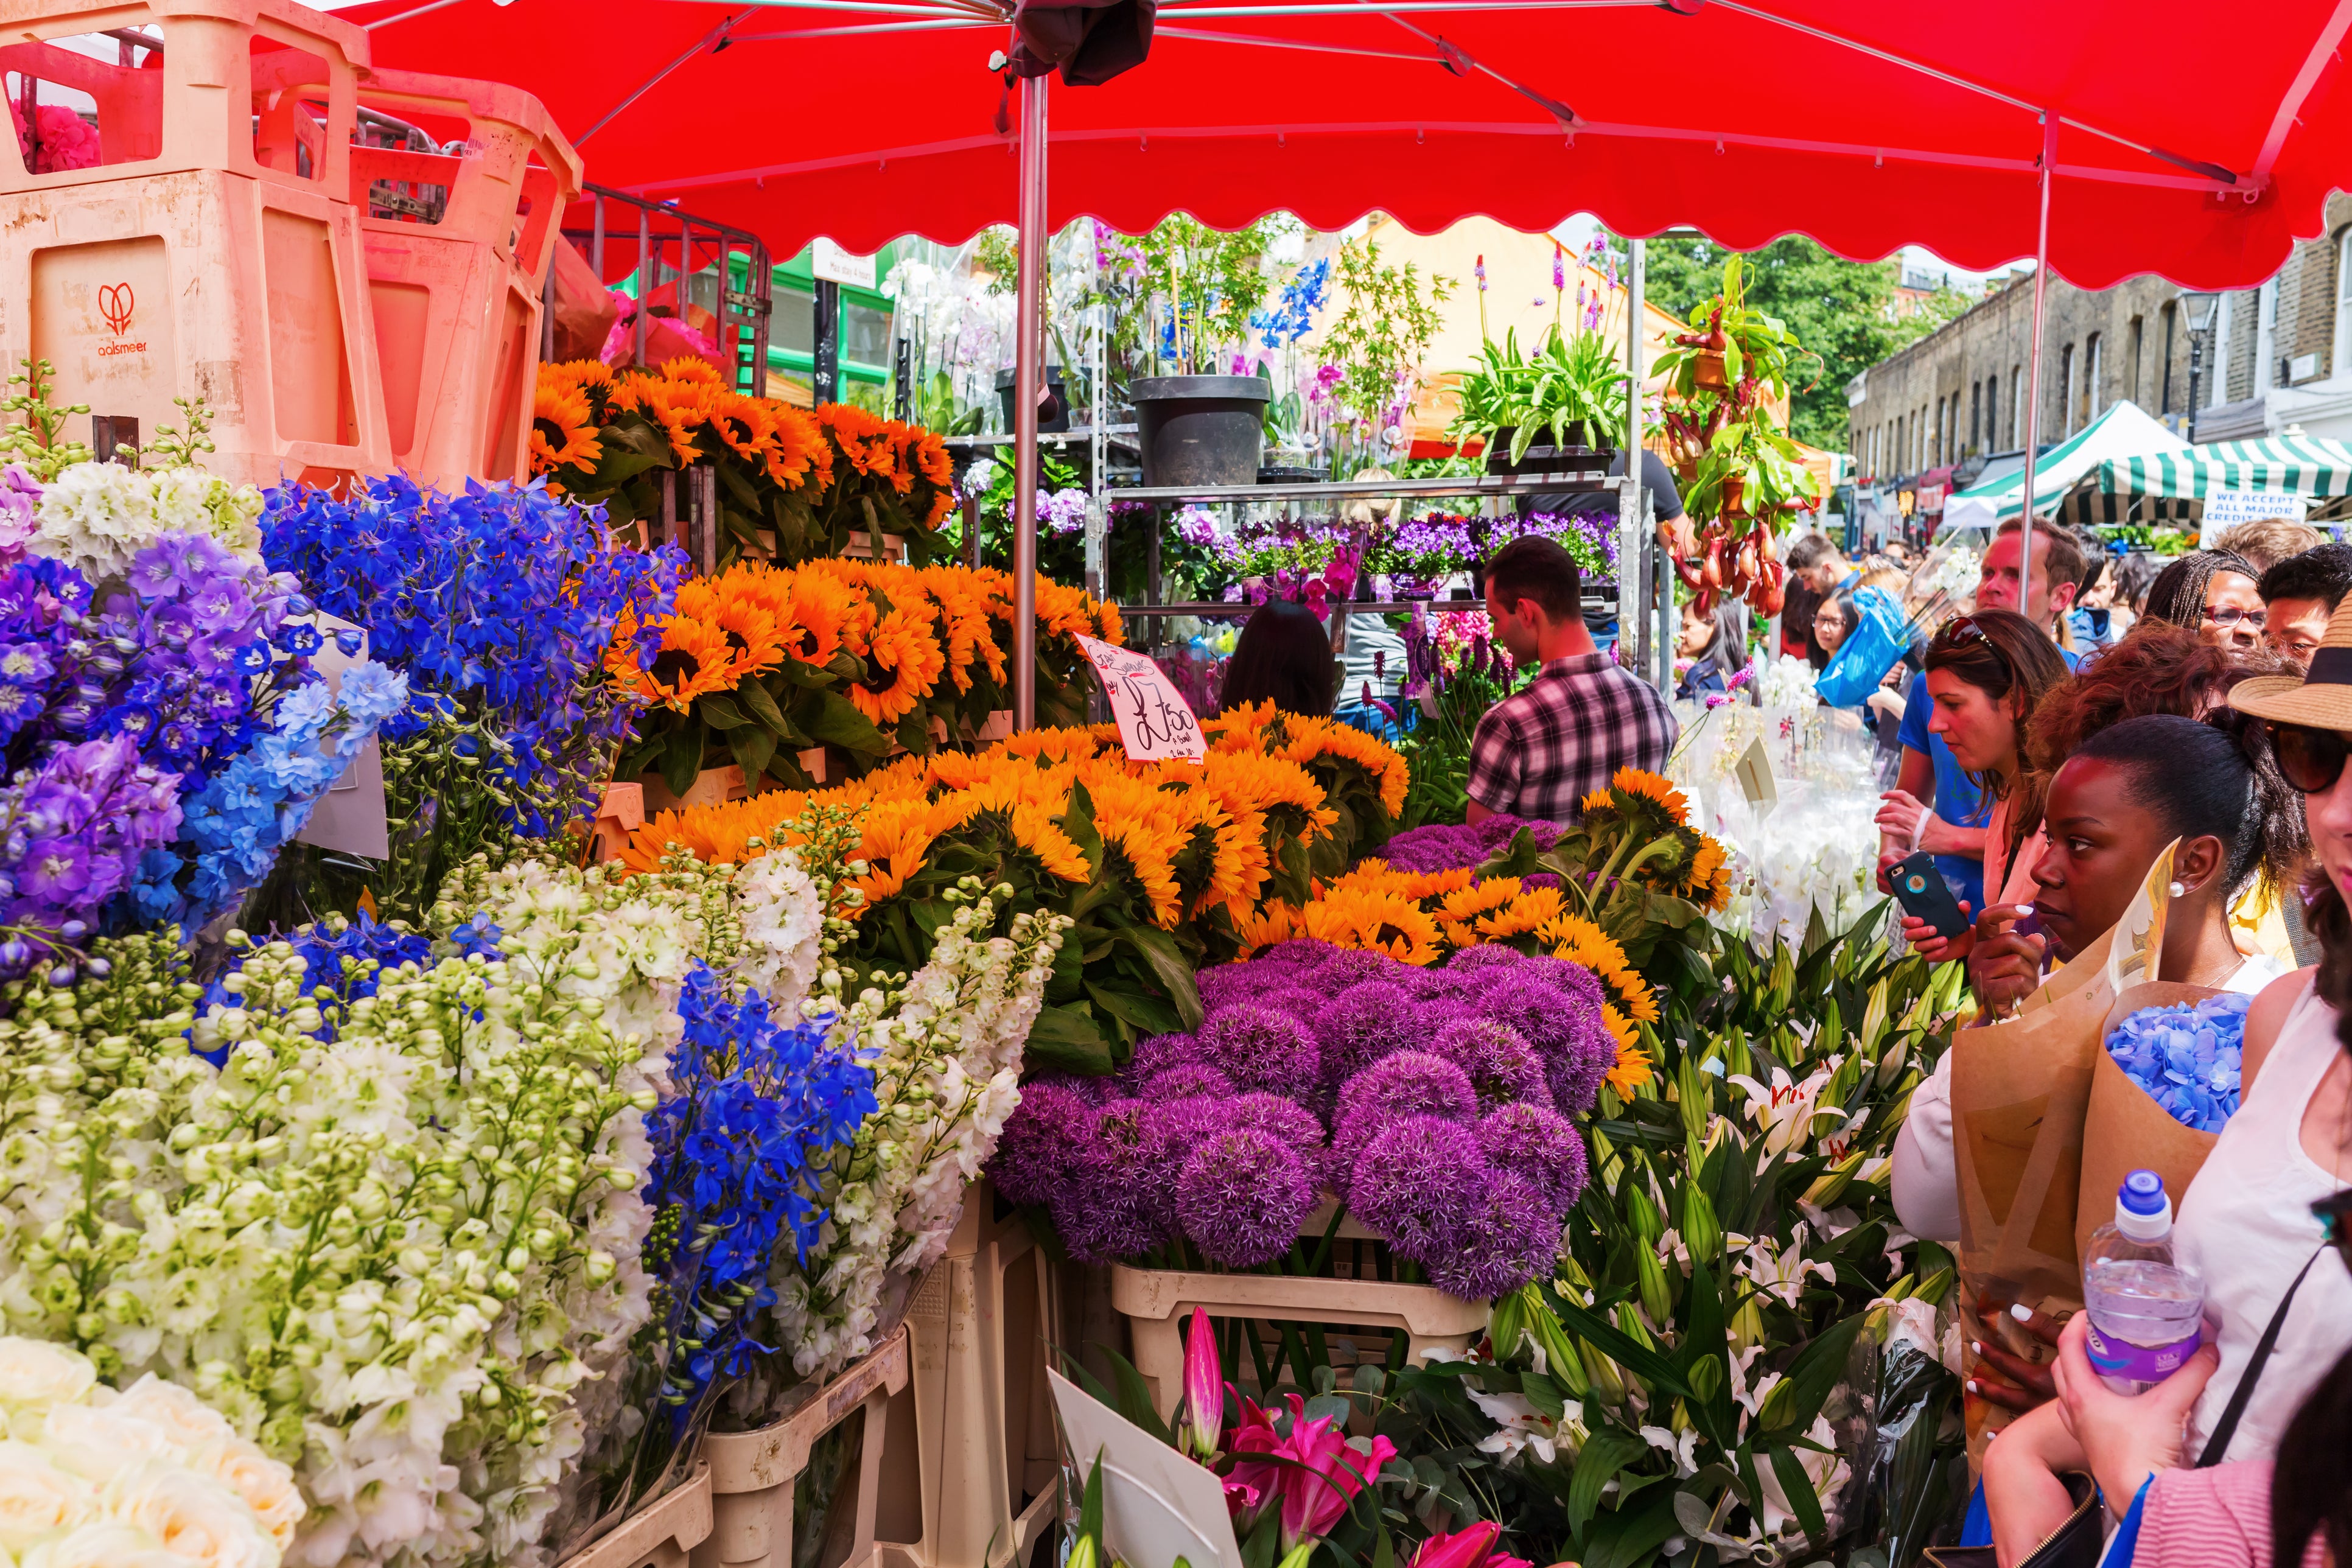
{"type": "Point", "coordinates": [2033, 369]}
{"type": "Point", "coordinates": [1028, 375]}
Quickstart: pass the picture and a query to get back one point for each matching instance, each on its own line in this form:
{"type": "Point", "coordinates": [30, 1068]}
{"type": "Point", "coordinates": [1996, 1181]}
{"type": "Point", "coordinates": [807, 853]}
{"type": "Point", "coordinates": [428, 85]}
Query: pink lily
{"type": "Point", "coordinates": [1311, 1503]}
{"type": "Point", "coordinates": [1471, 1548]}
{"type": "Point", "coordinates": [1205, 1391]}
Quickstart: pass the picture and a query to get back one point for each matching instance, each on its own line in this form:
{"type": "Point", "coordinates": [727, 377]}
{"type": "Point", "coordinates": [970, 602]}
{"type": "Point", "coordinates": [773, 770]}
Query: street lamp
{"type": "Point", "coordinates": [2196, 308]}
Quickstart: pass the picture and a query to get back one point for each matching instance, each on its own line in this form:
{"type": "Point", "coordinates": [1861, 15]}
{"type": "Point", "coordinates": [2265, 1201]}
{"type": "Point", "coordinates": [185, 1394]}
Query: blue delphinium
{"type": "Point", "coordinates": [499, 604]}
{"type": "Point", "coordinates": [758, 1106]}
{"type": "Point", "coordinates": [346, 960]}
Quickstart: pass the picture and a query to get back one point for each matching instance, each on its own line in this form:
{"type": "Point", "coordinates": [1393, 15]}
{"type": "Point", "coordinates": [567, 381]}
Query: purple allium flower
{"type": "Point", "coordinates": [1487, 956]}
{"type": "Point", "coordinates": [1537, 1144]}
{"type": "Point", "coordinates": [1281, 1118]}
{"type": "Point", "coordinates": [1573, 978]}
{"type": "Point", "coordinates": [1155, 1054]}
{"type": "Point", "coordinates": [1303, 952]}
{"type": "Point", "coordinates": [1044, 1139]}
{"type": "Point", "coordinates": [1418, 1183]}
{"type": "Point", "coordinates": [1408, 1083]}
{"type": "Point", "coordinates": [1565, 1030]}
{"type": "Point", "coordinates": [1242, 1196]}
{"type": "Point", "coordinates": [1186, 1081]}
{"type": "Point", "coordinates": [1363, 1024]}
{"type": "Point", "coordinates": [1354, 966]}
{"type": "Point", "coordinates": [1297, 1001]}
{"type": "Point", "coordinates": [1501, 1066]}
{"type": "Point", "coordinates": [1108, 1208]}
{"type": "Point", "coordinates": [1259, 1049]}
{"type": "Point", "coordinates": [1226, 984]}
{"type": "Point", "coordinates": [1507, 1240]}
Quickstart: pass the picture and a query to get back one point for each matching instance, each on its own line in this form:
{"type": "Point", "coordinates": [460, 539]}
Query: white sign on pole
{"type": "Point", "coordinates": [1154, 719]}
{"type": "Point", "coordinates": [829, 262]}
{"type": "Point", "coordinates": [2225, 509]}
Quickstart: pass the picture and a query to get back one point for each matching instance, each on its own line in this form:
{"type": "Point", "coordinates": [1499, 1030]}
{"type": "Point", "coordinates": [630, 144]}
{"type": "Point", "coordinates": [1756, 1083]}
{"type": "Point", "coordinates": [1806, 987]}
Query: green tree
{"type": "Point", "coordinates": [1843, 311]}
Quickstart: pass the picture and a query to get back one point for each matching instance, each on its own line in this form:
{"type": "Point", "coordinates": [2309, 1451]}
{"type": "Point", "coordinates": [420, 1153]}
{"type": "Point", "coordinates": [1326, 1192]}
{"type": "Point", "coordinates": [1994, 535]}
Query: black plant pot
{"type": "Point", "coordinates": [1201, 429]}
{"type": "Point", "coordinates": [1286, 474]}
{"type": "Point", "coordinates": [1547, 454]}
{"type": "Point", "coordinates": [1053, 414]}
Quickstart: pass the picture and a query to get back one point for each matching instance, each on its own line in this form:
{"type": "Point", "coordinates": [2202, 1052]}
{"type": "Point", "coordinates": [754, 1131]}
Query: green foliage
{"type": "Point", "coordinates": [1384, 331]}
{"type": "Point", "coordinates": [1572, 379]}
{"type": "Point", "coordinates": [33, 444]}
{"type": "Point", "coordinates": [1213, 280]}
{"type": "Point", "coordinates": [1844, 310]}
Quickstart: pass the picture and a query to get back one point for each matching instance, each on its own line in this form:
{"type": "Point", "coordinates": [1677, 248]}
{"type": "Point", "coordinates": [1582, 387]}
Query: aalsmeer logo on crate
{"type": "Point", "coordinates": [115, 301]}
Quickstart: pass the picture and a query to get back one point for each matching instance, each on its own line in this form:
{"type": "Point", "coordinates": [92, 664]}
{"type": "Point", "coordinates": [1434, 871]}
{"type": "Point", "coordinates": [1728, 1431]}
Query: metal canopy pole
{"type": "Point", "coordinates": [1633, 610]}
{"type": "Point", "coordinates": [2034, 370]}
{"type": "Point", "coordinates": [1028, 332]}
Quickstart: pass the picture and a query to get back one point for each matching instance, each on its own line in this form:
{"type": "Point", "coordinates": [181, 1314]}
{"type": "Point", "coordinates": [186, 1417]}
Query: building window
{"type": "Point", "coordinates": [2266, 338]}
{"type": "Point", "coordinates": [2170, 316]}
{"type": "Point", "coordinates": [2341, 350]}
{"type": "Point", "coordinates": [2092, 365]}
{"type": "Point", "coordinates": [2132, 341]}
{"type": "Point", "coordinates": [2066, 391]}
{"type": "Point", "coordinates": [2217, 364]}
{"type": "Point", "coordinates": [2016, 405]}
{"type": "Point", "coordinates": [1976, 413]}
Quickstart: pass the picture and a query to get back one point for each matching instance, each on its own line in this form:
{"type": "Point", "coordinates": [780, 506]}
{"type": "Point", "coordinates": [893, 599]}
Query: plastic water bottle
{"type": "Point", "coordinates": [2146, 1310]}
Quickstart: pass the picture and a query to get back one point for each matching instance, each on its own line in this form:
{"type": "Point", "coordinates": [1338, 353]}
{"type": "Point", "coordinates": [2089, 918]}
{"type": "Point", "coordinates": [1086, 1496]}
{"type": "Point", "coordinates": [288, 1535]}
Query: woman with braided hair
{"type": "Point", "coordinates": [2212, 593]}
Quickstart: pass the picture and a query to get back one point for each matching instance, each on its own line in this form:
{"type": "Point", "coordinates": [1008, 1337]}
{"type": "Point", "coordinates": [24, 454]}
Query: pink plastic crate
{"type": "Point", "coordinates": [209, 248]}
{"type": "Point", "coordinates": [458, 245]}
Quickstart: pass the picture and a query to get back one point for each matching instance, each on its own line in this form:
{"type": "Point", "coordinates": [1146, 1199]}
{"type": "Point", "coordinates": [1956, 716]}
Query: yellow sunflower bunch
{"type": "Point", "coordinates": [1644, 807]}
{"type": "Point", "coordinates": [720, 634]}
{"type": "Point", "coordinates": [1461, 910]}
{"type": "Point", "coordinates": [1580, 942]}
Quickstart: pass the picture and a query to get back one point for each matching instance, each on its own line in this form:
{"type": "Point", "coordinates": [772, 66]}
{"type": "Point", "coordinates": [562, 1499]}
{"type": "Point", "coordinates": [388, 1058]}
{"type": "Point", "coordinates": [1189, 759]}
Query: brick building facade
{"type": "Point", "coordinates": [2275, 356]}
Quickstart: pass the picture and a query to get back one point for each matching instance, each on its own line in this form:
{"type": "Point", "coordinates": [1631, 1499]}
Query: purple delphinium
{"type": "Point", "coordinates": [1363, 1024]}
{"type": "Point", "coordinates": [1501, 1066]}
{"type": "Point", "coordinates": [1507, 1239]}
{"type": "Point", "coordinates": [1044, 1139]}
{"type": "Point", "coordinates": [1535, 1143]}
{"type": "Point", "coordinates": [1260, 1049]}
{"type": "Point", "coordinates": [1242, 1197]}
{"type": "Point", "coordinates": [1418, 1183]}
{"type": "Point", "coordinates": [1185, 1081]}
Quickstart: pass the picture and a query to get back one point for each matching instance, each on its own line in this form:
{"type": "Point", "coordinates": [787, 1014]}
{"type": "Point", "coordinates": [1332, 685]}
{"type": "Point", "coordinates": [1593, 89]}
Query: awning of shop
{"type": "Point", "coordinates": [2123, 430]}
{"type": "Point", "coordinates": [2283, 465]}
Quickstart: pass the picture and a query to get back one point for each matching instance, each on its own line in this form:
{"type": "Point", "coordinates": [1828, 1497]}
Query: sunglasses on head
{"type": "Point", "coordinates": [2311, 759]}
{"type": "Point", "coordinates": [1963, 631]}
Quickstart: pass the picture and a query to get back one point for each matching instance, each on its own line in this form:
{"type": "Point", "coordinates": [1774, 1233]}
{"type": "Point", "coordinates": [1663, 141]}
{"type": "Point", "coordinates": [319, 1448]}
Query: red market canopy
{"type": "Point", "coordinates": [1866, 126]}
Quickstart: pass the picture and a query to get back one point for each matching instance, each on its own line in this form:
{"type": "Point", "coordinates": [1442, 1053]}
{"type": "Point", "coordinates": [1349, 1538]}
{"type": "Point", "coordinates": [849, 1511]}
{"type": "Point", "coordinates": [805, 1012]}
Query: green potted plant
{"type": "Point", "coordinates": [1563, 403]}
{"type": "Point", "coordinates": [1732, 349]}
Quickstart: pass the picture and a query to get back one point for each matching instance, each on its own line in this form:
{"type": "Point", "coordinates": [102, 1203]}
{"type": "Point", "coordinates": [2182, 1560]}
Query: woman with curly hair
{"type": "Point", "coordinates": [2213, 593]}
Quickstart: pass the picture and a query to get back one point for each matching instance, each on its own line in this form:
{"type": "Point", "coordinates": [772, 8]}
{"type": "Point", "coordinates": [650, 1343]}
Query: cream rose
{"type": "Point", "coordinates": [189, 1421]}
{"type": "Point", "coordinates": [37, 1499]}
{"type": "Point", "coordinates": [34, 1371]}
{"type": "Point", "coordinates": [100, 1443]}
{"type": "Point", "coordinates": [107, 1543]}
{"type": "Point", "coordinates": [266, 1486]}
{"type": "Point", "coordinates": [192, 1515]}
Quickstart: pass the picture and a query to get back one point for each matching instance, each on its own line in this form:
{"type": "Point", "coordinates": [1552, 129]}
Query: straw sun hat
{"type": "Point", "coordinates": [2322, 699]}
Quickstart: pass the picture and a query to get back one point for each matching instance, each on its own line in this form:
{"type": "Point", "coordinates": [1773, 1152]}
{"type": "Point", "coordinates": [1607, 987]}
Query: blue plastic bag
{"type": "Point", "coordinates": [1879, 638]}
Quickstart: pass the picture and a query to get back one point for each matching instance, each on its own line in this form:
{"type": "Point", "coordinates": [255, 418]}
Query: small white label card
{"type": "Point", "coordinates": [350, 816]}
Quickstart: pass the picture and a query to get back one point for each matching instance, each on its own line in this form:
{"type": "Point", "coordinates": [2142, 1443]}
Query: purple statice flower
{"type": "Point", "coordinates": [1242, 1196]}
{"type": "Point", "coordinates": [1537, 1144]}
{"type": "Point", "coordinates": [1260, 1049]}
{"type": "Point", "coordinates": [1044, 1139]}
{"type": "Point", "coordinates": [1185, 1081]}
{"type": "Point", "coordinates": [1108, 1209]}
{"type": "Point", "coordinates": [1361, 1024]}
{"type": "Point", "coordinates": [1418, 1183]}
{"type": "Point", "coordinates": [1499, 1064]}
{"type": "Point", "coordinates": [1506, 1240]}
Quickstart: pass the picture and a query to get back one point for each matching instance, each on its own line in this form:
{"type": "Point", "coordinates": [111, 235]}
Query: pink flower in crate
{"type": "Point", "coordinates": [1471, 1548]}
{"type": "Point", "coordinates": [1325, 1474]}
{"type": "Point", "coordinates": [1204, 1392]}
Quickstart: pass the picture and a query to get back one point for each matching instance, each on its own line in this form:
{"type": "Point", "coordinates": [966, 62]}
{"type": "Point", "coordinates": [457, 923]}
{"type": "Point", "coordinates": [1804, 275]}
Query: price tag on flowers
{"type": "Point", "coordinates": [1154, 719]}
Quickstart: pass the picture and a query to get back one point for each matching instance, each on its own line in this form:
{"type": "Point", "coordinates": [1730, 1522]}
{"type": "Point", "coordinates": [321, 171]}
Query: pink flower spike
{"type": "Point", "coordinates": [1205, 1389]}
{"type": "Point", "coordinates": [1559, 265]}
{"type": "Point", "coordinates": [1463, 1549]}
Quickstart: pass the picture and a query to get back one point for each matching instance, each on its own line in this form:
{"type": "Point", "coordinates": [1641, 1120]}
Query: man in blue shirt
{"type": "Point", "coordinates": [1953, 830]}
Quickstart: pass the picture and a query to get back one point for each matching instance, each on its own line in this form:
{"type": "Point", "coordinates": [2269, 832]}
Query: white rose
{"type": "Point", "coordinates": [34, 1371]}
{"type": "Point", "coordinates": [107, 1543]}
{"type": "Point", "coordinates": [191, 1423]}
{"type": "Point", "coordinates": [262, 1482]}
{"type": "Point", "coordinates": [37, 1499]}
{"type": "Point", "coordinates": [192, 1515]}
{"type": "Point", "coordinates": [100, 1444]}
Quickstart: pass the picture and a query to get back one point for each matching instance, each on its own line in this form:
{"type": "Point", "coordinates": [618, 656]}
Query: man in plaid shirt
{"type": "Point", "coordinates": [1540, 751]}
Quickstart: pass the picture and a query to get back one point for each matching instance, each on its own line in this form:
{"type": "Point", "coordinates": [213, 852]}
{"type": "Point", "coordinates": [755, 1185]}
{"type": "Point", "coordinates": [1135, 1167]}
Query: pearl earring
{"type": "Point", "coordinates": [2177, 890]}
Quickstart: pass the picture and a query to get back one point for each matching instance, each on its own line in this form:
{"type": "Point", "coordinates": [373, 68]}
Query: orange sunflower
{"type": "Point", "coordinates": [719, 835]}
{"type": "Point", "coordinates": [1579, 941]}
{"type": "Point", "coordinates": [865, 442]}
{"type": "Point", "coordinates": [563, 429]}
{"type": "Point", "coordinates": [800, 454]}
{"type": "Point", "coordinates": [902, 649]}
{"type": "Point", "coordinates": [695, 658]}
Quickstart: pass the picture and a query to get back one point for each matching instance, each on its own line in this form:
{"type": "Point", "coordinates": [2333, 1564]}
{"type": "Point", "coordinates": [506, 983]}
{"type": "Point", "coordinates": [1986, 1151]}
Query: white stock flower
{"type": "Point", "coordinates": [96, 517]}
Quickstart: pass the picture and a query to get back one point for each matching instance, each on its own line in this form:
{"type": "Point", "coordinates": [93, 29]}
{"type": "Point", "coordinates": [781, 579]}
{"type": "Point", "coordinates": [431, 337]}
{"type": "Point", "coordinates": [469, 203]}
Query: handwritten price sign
{"type": "Point", "coordinates": [1154, 719]}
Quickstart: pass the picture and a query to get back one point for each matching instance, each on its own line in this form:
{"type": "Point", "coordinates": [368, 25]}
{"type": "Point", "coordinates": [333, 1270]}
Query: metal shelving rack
{"type": "Point", "coordinates": [1648, 638]}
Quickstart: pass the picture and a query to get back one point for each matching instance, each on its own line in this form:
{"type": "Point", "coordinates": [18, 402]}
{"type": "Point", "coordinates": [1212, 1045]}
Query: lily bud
{"type": "Point", "coordinates": [1701, 1232]}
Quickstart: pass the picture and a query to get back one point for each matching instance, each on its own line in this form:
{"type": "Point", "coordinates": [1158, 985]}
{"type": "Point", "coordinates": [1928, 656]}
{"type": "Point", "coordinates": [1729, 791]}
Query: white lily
{"type": "Point", "coordinates": [1785, 1110]}
{"type": "Point", "coordinates": [1683, 1450]}
{"type": "Point", "coordinates": [1782, 1273]}
{"type": "Point", "coordinates": [1520, 1427]}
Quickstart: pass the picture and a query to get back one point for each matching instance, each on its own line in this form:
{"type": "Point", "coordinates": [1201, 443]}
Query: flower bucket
{"type": "Point", "coordinates": [875, 547]}
{"type": "Point", "coordinates": [1706, 370]}
{"type": "Point", "coordinates": [712, 787]}
{"type": "Point", "coordinates": [1053, 414]}
{"type": "Point", "coordinates": [753, 1475]}
{"type": "Point", "coordinates": [1156, 1303]}
{"type": "Point", "coordinates": [662, 1534]}
{"type": "Point", "coordinates": [1201, 429]}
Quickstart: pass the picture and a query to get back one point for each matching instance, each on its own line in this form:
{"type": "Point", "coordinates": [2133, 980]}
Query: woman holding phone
{"type": "Point", "coordinates": [1985, 673]}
